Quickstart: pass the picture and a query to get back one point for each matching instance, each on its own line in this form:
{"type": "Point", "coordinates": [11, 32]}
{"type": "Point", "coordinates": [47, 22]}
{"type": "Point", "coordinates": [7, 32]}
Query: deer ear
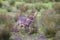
{"type": "Point", "coordinates": [35, 13]}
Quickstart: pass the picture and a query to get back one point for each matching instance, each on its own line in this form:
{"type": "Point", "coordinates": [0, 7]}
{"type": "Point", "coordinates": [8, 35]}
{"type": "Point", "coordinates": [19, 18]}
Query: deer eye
{"type": "Point", "coordinates": [21, 25]}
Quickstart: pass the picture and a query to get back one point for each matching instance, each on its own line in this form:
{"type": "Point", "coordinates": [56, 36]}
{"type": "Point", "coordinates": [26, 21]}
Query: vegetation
{"type": "Point", "coordinates": [46, 21]}
{"type": "Point", "coordinates": [12, 2]}
{"type": "Point", "coordinates": [5, 35]}
{"type": "Point", "coordinates": [1, 4]}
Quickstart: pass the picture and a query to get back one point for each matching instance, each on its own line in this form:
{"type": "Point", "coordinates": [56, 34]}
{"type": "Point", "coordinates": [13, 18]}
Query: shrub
{"type": "Point", "coordinates": [12, 2]}
{"type": "Point", "coordinates": [50, 33]}
{"type": "Point", "coordinates": [50, 21]}
{"type": "Point", "coordinates": [5, 35]}
{"type": "Point", "coordinates": [4, 0]}
{"type": "Point", "coordinates": [31, 1]}
{"type": "Point", "coordinates": [9, 9]}
{"type": "Point", "coordinates": [7, 20]}
{"type": "Point", "coordinates": [1, 4]}
{"type": "Point", "coordinates": [57, 0]}
{"type": "Point", "coordinates": [24, 9]}
{"type": "Point", "coordinates": [56, 7]}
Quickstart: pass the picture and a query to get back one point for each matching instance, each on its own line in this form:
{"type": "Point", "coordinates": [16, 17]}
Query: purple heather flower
{"type": "Point", "coordinates": [41, 37]}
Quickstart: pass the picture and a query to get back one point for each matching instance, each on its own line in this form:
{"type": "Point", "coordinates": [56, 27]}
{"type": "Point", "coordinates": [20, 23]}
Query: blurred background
{"type": "Point", "coordinates": [46, 25]}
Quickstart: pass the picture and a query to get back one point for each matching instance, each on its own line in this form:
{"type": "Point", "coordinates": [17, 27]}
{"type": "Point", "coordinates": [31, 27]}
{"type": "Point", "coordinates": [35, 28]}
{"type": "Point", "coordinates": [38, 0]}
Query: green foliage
{"type": "Point", "coordinates": [2, 10]}
{"type": "Point", "coordinates": [1, 22]}
{"type": "Point", "coordinates": [2, 18]}
{"type": "Point", "coordinates": [31, 1]}
{"type": "Point", "coordinates": [50, 33]}
{"type": "Point", "coordinates": [5, 35]}
{"type": "Point", "coordinates": [9, 9]}
{"type": "Point", "coordinates": [38, 7]}
{"type": "Point", "coordinates": [57, 0]}
{"type": "Point", "coordinates": [19, 0]}
{"type": "Point", "coordinates": [28, 1]}
{"type": "Point", "coordinates": [4, 0]}
{"type": "Point", "coordinates": [56, 6]}
{"type": "Point", "coordinates": [1, 4]}
{"type": "Point", "coordinates": [58, 22]}
{"type": "Point", "coordinates": [12, 2]}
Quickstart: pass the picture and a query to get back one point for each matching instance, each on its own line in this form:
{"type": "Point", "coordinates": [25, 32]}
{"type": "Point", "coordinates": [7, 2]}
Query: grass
{"type": "Point", "coordinates": [2, 10]}
{"type": "Point", "coordinates": [49, 5]}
